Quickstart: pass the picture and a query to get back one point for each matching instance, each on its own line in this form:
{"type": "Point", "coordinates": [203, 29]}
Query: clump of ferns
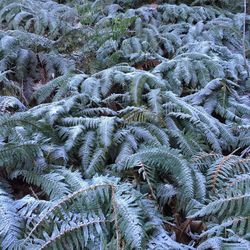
{"type": "Point", "coordinates": [171, 115]}
{"type": "Point", "coordinates": [53, 21]}
{"type": "Point", "coordinates": [102, 215]}
{"type": "Point", "coordinates": [144, 124]}
{"type": "Point", "coordinates": [221, 98]}
{"type": "Point", "coordinates": [22, 69]}
{"type": "Point", "coordinates": [227, 185]}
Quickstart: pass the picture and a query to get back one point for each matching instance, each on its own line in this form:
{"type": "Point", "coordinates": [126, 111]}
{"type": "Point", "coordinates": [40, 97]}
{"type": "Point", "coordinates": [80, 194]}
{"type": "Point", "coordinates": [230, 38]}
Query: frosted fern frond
{"type": "Point", "coordinates": [10, 104]}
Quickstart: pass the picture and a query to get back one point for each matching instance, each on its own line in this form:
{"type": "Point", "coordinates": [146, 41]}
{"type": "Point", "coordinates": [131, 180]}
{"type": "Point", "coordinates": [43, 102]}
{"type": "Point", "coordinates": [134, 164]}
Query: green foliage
{"type": "Point", "coordinates": [124, 125]}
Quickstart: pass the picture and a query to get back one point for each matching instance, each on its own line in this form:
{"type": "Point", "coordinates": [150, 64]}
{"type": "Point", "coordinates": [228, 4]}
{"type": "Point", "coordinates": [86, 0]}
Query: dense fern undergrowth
{"type": "Point", "coordinates": [124, 124]}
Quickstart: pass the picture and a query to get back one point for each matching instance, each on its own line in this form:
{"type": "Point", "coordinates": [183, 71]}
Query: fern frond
{"type": "Point", "coordinates": [11, 223]}
{"type": "Point", "coordinates": [161, 162]}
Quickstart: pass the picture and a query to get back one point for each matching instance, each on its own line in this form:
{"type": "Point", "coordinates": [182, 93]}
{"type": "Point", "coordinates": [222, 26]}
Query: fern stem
{"type": "Point", "coordinates": [244, 34]}
{"type": "Point", "coordinates": [219, 167]}
{"type": "Point", "coordinates": [116, 219]}
{"type": "Point", "coordinates": [148, 181]}
{"type": "Point", "coordinates": [52, 240]}
{"type": "Point", "coordinates": [68, 197]}
{"type": "Point", "coordinates": [33, 192]}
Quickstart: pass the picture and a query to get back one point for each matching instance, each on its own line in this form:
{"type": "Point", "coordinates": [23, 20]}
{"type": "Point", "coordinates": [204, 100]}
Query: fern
{"type": "Point", "coordinates": [124, 124]}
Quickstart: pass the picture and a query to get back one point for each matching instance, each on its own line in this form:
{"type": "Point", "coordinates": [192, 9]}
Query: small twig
{"type": "Point", "coordinates": [244, 152]}
{"type": "Point", "coordinates": [172, 225]}
{"type": "Point", "coordinates": [235, 151]}
{"type": "Point", "coordinates": [33, 192]}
